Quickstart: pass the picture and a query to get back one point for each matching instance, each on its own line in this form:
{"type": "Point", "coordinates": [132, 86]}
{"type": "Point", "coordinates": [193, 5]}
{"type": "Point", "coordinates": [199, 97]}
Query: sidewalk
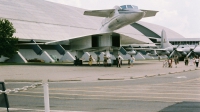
{"type": "Point", "coordinates": [56, 73]}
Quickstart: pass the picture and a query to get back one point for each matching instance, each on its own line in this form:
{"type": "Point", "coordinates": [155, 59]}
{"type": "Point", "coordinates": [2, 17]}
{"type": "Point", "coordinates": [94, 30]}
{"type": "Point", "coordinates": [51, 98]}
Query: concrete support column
{"type": "Point", "coordinates": [67, 57]}
{"type": "Point", "coordinates": [46, 57]}
{"type": "Point", "coordinates": [18, 58]}
{"type": "Point", "coordinates": [2, 58]}
{"type": "Point", "coordinates": [101, 55]}
{"type": "Point", "coordinates": [139, 56]}
{"type": "Point", "coordinates": [86, 56]}
{"type": "Point", "coordinates": [79, 54]}
{"type": "Point", "coordinates": [148, 57]}
{"type": "Point", "coordinates": [123, 51]}
{"type": "Point", "coordinates": [115, 53]}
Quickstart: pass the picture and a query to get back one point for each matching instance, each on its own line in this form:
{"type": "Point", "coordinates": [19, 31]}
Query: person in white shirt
{"type": "Point", "coordinates": [132, 59]}
{"type": "Point", "coordinates": [194, 61]}
{"type": "Point", "coordinates": [165, 63]}
{"type": "Point", "coordinates": [197, 61]}
{"type": "Point", "coordinates": [109, 61]}
{"type": "Point", "coordinates": [119, 62]}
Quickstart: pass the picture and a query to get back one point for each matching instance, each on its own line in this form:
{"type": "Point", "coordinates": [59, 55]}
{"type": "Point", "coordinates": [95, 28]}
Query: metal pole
{"type": "Point", "coordinates": [46, 95]}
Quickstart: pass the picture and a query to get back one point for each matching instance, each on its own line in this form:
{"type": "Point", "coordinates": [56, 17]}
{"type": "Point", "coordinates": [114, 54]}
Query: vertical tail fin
{"type": "Point", "coordinates": [164, 40]}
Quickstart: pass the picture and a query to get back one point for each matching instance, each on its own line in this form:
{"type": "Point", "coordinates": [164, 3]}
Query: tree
{"type": "Point", "coordinates": [8, 43]}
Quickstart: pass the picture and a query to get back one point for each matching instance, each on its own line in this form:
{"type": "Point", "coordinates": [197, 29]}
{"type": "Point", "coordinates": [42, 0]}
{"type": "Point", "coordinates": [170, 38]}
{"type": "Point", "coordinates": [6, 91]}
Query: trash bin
{"type": "Point", "coordinates": [80, 62]}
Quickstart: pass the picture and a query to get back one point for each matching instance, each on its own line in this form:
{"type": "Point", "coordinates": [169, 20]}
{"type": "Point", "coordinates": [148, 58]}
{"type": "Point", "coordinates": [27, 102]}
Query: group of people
{"type": "Point", "coordinates": [192, 61]}
{"type": "Point", "coordinates": [168, 62]}
{"type": "Point", "coordinates": [107, 61]}
{"type": "Point", "coordinates": [195, 61]}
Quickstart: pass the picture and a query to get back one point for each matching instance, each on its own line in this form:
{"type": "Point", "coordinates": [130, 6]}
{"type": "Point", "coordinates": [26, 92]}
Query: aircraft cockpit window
{"type": "Point", "coordinates": [129, 7]}
{"type": "Point", "coordinates": [123, 7]}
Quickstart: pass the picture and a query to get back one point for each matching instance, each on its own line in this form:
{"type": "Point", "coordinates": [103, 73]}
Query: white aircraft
{"type": "Point", "coordinates": [105, 37]}
{"type": "Point", "coordinates": [119, 16]}
{"type": "Point", "coordinates": [169, 50]}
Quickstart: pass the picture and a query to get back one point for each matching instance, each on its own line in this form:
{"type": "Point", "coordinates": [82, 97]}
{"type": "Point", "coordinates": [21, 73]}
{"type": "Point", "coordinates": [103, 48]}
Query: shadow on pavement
{"type": "Point", "coordinates": [183, 107]}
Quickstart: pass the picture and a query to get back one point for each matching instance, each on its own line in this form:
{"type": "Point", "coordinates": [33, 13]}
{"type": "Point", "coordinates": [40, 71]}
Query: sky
{"type": "Point", "coordinates": [181, 16]}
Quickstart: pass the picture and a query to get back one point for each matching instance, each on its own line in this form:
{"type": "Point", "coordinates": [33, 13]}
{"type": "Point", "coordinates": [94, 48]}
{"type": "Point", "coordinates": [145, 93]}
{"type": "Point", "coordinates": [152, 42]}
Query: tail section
{"type": "Point", "coordinates": [164, 40]}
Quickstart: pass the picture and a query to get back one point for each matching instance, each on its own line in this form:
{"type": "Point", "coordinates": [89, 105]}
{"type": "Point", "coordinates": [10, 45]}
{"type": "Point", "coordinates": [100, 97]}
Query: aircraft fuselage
{"type": "Point", "coordinates": [121, 18]}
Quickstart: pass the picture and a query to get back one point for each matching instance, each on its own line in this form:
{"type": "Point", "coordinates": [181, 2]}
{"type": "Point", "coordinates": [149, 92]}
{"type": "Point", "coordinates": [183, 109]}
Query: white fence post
{"type": "Point", "coordinates": [46, 96]}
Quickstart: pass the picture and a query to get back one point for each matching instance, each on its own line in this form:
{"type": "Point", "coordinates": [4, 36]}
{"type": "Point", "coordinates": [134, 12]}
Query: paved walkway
{"type": "Point", "coordinates": [87, 73]}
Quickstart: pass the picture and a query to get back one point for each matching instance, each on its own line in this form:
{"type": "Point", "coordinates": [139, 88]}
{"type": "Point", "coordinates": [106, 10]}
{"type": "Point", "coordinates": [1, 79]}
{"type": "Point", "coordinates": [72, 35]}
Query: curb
{"type": "Point", "coordinates": [172, 72]}
{"type": "Point", "coordinates": [186, 70]}
{"type": "Point", "coordinates": [160, 74]}
{"type": "Point", "coordinates": [110, 79]}
{"type": "Point", "coordinates": [179, 71]}
{"type": "Point", "coordinates": [137, 77]}
{"type": "Point", "coordinates": [22, 80]}
{"type": "Point", "coordinates": [64, 80]}
{"type": "Point", "coordinates": [150, 75]}
{"type": "Point", "coordinates": [192, 70]}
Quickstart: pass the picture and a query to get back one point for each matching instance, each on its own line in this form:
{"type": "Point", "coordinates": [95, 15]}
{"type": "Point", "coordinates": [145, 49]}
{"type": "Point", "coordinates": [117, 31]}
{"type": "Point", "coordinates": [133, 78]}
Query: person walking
{"type": "Point", "coordinates": [164, 63]}
{"type": "Point", "coordinates": [176, 60]}
{"type": "Point", "coordinates": [109, 61]}
{"type": "Point", "coordinates": [119, 62]}
{"type": "Point", "coordinates": [170, 62]}
{"type": "Point", "coordinates": [191, 61]}
{"type": "Point", "coordinates": [186, 61]}
{"type": "Point", "coordinates": [90, 60]}
{"type": "Point", "coordinates": [105, 60]}
{"type": "Point", "coordinates": [159, 58]}
{"type": "Point", "coordinates": [132, 59]}
{"type": "Point", "coordinates": [98, 60]}
{"type": "Point", "coordinates": [194, 61]}
{"type": "Point", "coordinates": [197, 61]}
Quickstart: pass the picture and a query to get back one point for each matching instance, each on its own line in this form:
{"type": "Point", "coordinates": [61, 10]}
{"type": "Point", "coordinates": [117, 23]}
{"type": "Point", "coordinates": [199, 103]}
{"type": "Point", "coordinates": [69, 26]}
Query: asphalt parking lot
{"type": "Point", "coordinates": [60, 72]}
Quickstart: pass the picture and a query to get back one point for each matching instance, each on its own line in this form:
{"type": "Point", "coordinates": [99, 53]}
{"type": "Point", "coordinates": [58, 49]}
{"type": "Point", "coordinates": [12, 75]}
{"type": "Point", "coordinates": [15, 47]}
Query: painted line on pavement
{"type": "Point", "coordinates": [110, 79]}
{"type": "Point", "coordinates": [22, 80]}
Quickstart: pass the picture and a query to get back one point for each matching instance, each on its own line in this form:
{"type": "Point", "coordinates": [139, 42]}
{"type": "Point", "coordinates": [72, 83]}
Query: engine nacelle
{"type": "Point", "coordinates": [131, 52]}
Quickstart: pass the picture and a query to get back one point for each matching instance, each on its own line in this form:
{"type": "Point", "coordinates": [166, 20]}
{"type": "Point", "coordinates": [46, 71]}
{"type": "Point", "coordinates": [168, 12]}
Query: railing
{"type": "Point", "coordinates": [25, 88]}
